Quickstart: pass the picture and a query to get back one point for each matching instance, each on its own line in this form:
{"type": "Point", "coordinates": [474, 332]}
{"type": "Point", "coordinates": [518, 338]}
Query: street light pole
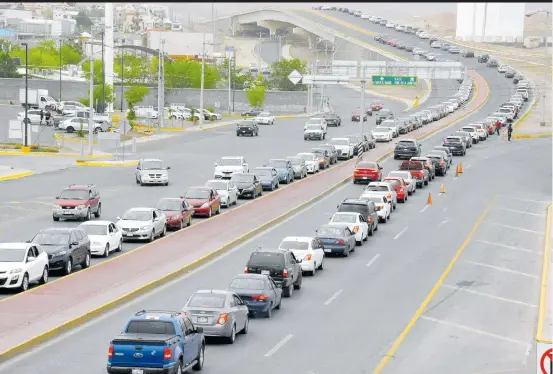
{"type": "Point", "coordinates": [26, 120]}
{"type": "Point", "coordinates": [91, 99]}
{"type": "Point", "coordinates": [229, 50]}
{"type": "Point", "coordinates": [202, 85]}
{"type": "Point", "coordinates": [103, 76]}
{"type": "Point", "coordinates": [362, 108]}
{"type": "Point", "coordinates": [61, 45]}
{"type": "Point", "coordinates": [122, 77]}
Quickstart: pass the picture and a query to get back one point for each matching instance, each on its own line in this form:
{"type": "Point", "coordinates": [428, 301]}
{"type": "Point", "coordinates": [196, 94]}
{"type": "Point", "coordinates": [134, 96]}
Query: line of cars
{"type": "Point", "coordinates": [250, 127]}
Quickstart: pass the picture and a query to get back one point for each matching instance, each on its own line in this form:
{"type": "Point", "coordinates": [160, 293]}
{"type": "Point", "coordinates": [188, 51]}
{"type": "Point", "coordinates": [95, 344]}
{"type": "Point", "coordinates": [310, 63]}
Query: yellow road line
{"type": "Point", "coordinates": [544, 275]}
{"type": "Point", "coordinates": [16, 176]}
{"type": "Point", "coordinates": [106, 163]}
{"type": "Point", "coordinates": [432, 293]}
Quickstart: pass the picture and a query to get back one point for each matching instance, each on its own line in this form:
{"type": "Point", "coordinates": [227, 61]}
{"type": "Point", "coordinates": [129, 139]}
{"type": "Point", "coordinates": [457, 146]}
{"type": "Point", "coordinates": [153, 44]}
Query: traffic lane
{"type": "Point", "coordinates": [499, 270]}
{"type": "Point", "coordinates": [98, 333]}
{"type": "Point", "coordinates": [37, 164]}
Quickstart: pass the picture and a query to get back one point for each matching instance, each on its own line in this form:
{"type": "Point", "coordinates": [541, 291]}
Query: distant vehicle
{"type": "Point", "coordinates": [37, 99]}
{"type": "Point", "coordinates": [23, 263]}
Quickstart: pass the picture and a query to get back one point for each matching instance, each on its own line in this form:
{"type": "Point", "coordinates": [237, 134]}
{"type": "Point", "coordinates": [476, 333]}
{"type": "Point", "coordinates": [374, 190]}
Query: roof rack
{"type": "Point", "coordinates": [171, 312]}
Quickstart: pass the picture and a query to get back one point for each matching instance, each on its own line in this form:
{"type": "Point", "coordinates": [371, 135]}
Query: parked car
{"type": "Point", "coordinates": [259, 292]}
{"type": "Point", "coordinates": [205, 201]}
{"type": "Point", "coordinates": [177, 210]}
{"type": "Point", "coordinates": [23, 263]}
{"type": "Point", "coordinates": [142, 224]}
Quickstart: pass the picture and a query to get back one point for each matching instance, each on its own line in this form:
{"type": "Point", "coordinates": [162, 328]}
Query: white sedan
{"type": "Point", "coordinates": [105, 237]}
{"type": "Point", "coordinates": [355, 222]}
{"type": "Point", "coordinates": [142, 224]}
{"type": "Point", "coordinates": [383, 134]}
{"type": "Point", "coordinates": [265, 118]}
{"type": "Point", "coordinates": [383, 207]}
{"type": "Point", "coordinates": [407, 178]}
{"type": "Point", "coordinates": [382, 188]}
{"type": "Point", "coordinates": [21, 264]}
{"type": "Point", "coordinates": [311, 162]}
{"type": "Point", "coordinates": [309, 250]}
{"type": "Point", "coordinates": [226, 189]}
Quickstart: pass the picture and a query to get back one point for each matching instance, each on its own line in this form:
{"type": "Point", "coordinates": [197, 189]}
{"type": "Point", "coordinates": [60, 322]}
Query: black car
{"type": "Point", "coordinates": [359, 143]}
{"type": "Point", "coordinates": [409, 48]}
{"type": "Point", "coordinates": [366, 208]}
{"type": "Point", "coordinates": [377, 37]}
{"type": "Point", "coordinates": [517, 78]}
{"type": "Point", "coordinates": [280, 264]}
{"type": "Point", "coordinates": [468, 54]}
{"type": "Point", "coordinates": [332, 119]}
{"type": "Point", "coordinates": [483, 58]}
{"type": "Point", "coordinates": [260, 293]}
{"type": "Point", "coordinates": [456, 145]}
{"type": "Point", "coordinates": [407, 148]}
{"type": "Point", "coordinates": [509, 74]}
{"type": "Point", "coordinates": [332, 151]}
{"type": "Point", "coordinates": [370, 141]}
{"type": "Point", "coordinates": [66, 248]}
{"type": "Point", "coordinates": [440, 164]}
{"type": "Point", "coordinates": [253, 112]}
{"type": "Point", "coordinates": [248, 185]}
{"type": "Point", "coordinates": [249, 128]}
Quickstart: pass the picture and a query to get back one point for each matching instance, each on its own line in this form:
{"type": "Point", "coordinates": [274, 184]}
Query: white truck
{"type": "Point", "coordinates": [37, 99]}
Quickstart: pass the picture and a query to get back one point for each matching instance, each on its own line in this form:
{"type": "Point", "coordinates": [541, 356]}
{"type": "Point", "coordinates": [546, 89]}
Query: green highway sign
{"type": "Point", "coordinates": [393, 80]}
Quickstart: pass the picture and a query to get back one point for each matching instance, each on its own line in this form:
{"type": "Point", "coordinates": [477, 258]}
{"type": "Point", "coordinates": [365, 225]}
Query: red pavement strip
{"type": "Point", "coordinates": [28, 319]}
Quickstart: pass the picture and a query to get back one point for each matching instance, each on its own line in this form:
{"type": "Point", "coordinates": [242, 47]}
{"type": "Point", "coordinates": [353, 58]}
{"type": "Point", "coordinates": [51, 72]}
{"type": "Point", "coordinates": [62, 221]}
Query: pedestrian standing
{"type": "Point", "coordinates": [509, 131]}
{"type": "Point", "coordinates": [497, 127]}
{"type": "Point", "coordinates": [41, 116]}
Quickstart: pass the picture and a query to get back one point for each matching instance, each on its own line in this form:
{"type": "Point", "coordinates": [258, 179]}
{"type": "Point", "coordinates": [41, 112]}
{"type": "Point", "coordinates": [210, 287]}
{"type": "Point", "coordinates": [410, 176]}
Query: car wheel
{"type": "Point", "coordinates": [88, 215]}
{"type": "Point", "coordinates": [227, 203]}
{"type": "Point", "coordinates": [246, 325]}
{"type": "Point", "coordinates": [68, 268]}
{"type": "Point", "coordinates": [106, 251]}
{"type": "Point", "coordinates": [152, 236]}
{"type": "Point", "coordinates": [288, 291]}
{"type": "Point", "coordinates": [120, 246]}
{"type": "Point", "coordinates": [86, 263]}
{"type": "Point", "coordinates": [24, 283]}
{"type": "Point", "coordinates": [299, 282]}
{"type": "Point", "coordinates": [269, 312]}
{"type": "Point", "coordinates": [371, 231]}
{"type": "Point", "coordinates": [232, 338]}
{"type": "Point", "coordinates": [164, 231]}
{"type": "Point", "coordinates": [322, 266]}
{"type": "Point", "coordinates": [199, 359]}
{"type": "Point", "coordinates": [137, 181]}
{"type": "Point", "coordinates": [44, 278]}
{"type": "Point", "coordinates": [142, 184]}
{"type": "Point", "coordinates": [426, 182]}
{"type": "Point", "coordinates": [56, 218]}
{"type": "Point", "coordinates": [384, 220]}
{"type": "Point", "coordinates": [98, 211]}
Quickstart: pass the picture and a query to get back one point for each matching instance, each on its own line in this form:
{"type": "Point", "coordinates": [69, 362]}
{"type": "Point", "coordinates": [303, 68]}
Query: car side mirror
{"type": "Point", "coordinates": [199, 330]}
{"type": "Point", "coordinates": [279, 285]}
{"type": "Point", "coordinates": [168, 168]}
{"type": "Point", "coordinates": [75, 243]}
{"type": "Point", "coordinates": [118, 218]}
{"type": "Point", "coordinates": [27, 241]}
{"type": "Point", "coordinates": [31, 259]}
{"type": "Point", "coordinates": [137, 168]}
{"type": "Point", "coordinates": [57, 197]}
{"type": "Point", "coordinates": [215, 164]}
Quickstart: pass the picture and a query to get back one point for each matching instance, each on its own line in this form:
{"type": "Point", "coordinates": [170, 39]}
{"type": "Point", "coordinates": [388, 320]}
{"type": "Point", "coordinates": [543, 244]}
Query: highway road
{"type": "Point", "coordinates": [345, 318]}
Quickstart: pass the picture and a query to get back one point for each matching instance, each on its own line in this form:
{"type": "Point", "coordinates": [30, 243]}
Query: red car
{"type": "Point", "coordinates": [367, 171]}
{"type": "Point", "coordinates": [392, 43]}
{"type": "Point", "coordinates": [177, 210]}
{"type": "Point", "coordinates": [369, 111]}
{"type": "Point", "coordinates": [355, 117]}
{"type": "Point", "coordinates": [78, 202]}
{"type": "Point", "coordinates": [399, 186]}
{"type": "Point", "coordinates": [377, 105]}
{"type": "Point", "coordinates": [205, 201]}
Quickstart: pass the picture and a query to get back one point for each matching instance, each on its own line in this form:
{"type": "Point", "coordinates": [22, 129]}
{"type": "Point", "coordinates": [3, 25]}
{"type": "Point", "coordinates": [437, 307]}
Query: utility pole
{"type": "Point", "coordinates": [545, 70]}
{"type": "Point", "coordinates": [229, 61]}
{"type": "Point", "coordinates": [61, 45]}
{"type": "Point", "coordinates": [160, 112]}
{"type": "Point", "coordinates": [122, 76]}
{"type": "Point", "coordinates": [162, 92]}
{"type": "Point", "coordinates": [91, 100]}
{"type": "Point", "coordinates": [103, 74]}
{"type": "Point", "coordinates": [202, 85]}
{"type": "Point", "coordinates": [362, 108]}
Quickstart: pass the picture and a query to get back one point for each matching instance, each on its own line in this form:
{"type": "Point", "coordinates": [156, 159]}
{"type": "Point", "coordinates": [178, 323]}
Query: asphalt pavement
{"type": "Point", "coordinates": [345, 318]}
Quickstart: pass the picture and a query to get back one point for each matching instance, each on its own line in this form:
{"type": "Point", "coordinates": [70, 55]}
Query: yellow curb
{"type": "Point", "coordinates": [38, 339]}
{"type": "Point", "coordinates": [26, 149]}
{"type": "Point", "coordinates": [106, 163]}
{"type": "Point", "coordinates": [72, 140]}
{"type": "Point", "coordinates": [16, 176]}
{"type": "Point", "coordinates": [52, 154]}
{"type": "Point", "coordinates": [532, 136]}
{"type": "Point", "coordinates": [544, 275]}
{"type": "Point", "coordinates": [525, 115]}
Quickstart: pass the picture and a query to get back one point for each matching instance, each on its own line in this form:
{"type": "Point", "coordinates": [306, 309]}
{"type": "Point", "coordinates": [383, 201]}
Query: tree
{"type": "Point", "coordinates": [186, 74]}
{"type": "Point", "coordinates": [282, 69]}
{"type": "Point", "coordinates": [97, 71]}
{"type": "Point", "coordinates": [97, 96]}
{"type": "Point", "coordinates": [83, 21]}
{"type": "Point", "coordinates": [137, 69]}
{"type": "Point", "coordinates": [256, 93]}
{"type": "Point", "coordinates": [47, 55]}
{"type": "Point", "coordinates": [239, 79]}
{"type": "Point", "coordinates": [7, 66]}
{"type": "Point", "coordinates": [135, 95]}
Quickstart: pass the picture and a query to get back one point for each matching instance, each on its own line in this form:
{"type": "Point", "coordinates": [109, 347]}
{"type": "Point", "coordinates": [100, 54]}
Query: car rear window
{"type": "Point", "coordinates": [393, 182]}
{"type": "Point", "coordinates": [377, 188]}
{"type": "Point", "coordinates": [266, 259]}
{"type": "Point", "coordinates": [354, 208]}
{"type": "Point", "coordinates": [248, 284]}
{"type": "Point", "coordinates": [344, 218]}
{"type": "Point", "coordinates": [453, 140]}
{"type": "Point", "coordinates": [367, 165]}
{"type": "Point", "coordinates": [151, 327]}
{"type": "Point", "coordinates": [411, 166]}
{"type": "Point", "coordinates": [207, 300]}
{"type": "Point", "coordinates": [294, 244]}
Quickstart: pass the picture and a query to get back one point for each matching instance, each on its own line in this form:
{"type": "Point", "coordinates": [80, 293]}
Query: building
{"type": "Point", "coordinates": [491, 22]}
{"type": "Point", "coordinates": [178, 43]}
{"type": "Point", "coordinates": [35, 28]}
{"type": "Point", "coordinates": [60, 14]}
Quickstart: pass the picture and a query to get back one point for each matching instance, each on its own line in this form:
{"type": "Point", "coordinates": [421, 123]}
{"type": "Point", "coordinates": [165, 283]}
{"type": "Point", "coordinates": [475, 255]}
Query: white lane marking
{"type": "Point", "coordinates": [333, 297]}
{"type": "Point", "coordinates": [468, 166]}
{"type": "Point", "coordinates": [507, 246]}
{"type": "Point", "coordinates": [423, 209]}
{"type": "Point", "coordinates": [444, 209]}
{"type": "Point", "coordinates": [455, 178]}
{"type": "Point", "coordinates": [514, 228]}
{"type": "Point", "coordinates": [373, 260]}
{"type": "Point", "coordinates": [522, 212]}
{"type": "Point", "coordinates": [400, 233]}
{"type": "Point", "coordinates": [477, 331]}
{"type": "Point", "coordinates": [279, 345]}
{"type": "Point", "coordinates": [485, 158]}
{"type": "Point", "coordinates": [505, 270]}
{"type": "Point", "coordinates": [529, 200]}
{"type": "Point", "coordinates": [464, 289]}
{"type": "Point", "coordinates": [443, 222]}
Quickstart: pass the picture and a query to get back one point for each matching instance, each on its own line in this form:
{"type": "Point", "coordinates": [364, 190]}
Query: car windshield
{"type": "Point", "coordinates": [273, 259]}
{"type": "Point", "coordinates": [230, 162]}
{"type": "Point", "coordinates": [314, 121]}
{"type": "Point", "coordinates": [197, 194]}
{"type": "Point", "coordinates": [218, 185]}
{"type": "Point", "coordinates": [374, 199]}
{"type": "Point", "coordinates": [95, 229]}
{"type": "Point", "coordinates": [74, 195]}
{"type": "Point", "coordinates": [248, 284]}
{"type": "Point", "coordinates": [330, 231]}
{"type": "Point", "coordinates": [51, 238]}
{"type": "Point", "coordinates": [309, 157]}
{"type": "Point", "coordinates": [398, 174]}
{"type": "Point", "coordinates": [277, 163]}
{"type": "Point", "coordinates": [137, 215]}
{"type": "Point", "coordinates": [242, 178]}
{"type": "Point", "coordinates": [207, 300]}
{"type": "Point", "coordinates": [393, 182]}
{"type": "Point", "coordinates": [263, 172]}
{"type": "Point", "coordinates": [376, 188]}
{"type": "Point", "coordinates": [12, 255]}
{"type": "Point", "coordinates": [173, 205]}
{"type": "Point", "coordinates": [344, 218]}
{"type": "Point", "coordinates": [313, 127]}
{"type": "Point", "coordinates": [367, 165]}
{"type": "Point", "coordinates": [264, 114]}
{"type": "Point", "coordinates": [151, 327]}
{"type": "Point", "coordinates": [469, 129]}
{"type": "Point", "coordinates": [152, 165]}
{"type": "Point", "coordinates": [296, 160]}
{"type": "Point", "coordinates": [294, 244]}
{"type": "Point", "coordinates": [340, 141]}
{"type": "Point", "coordinates": [244, 124]}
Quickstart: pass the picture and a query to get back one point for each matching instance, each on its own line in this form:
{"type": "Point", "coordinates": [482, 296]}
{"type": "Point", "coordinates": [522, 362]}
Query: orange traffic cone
{"type": "Point", "coordinates": [457, 171]}
{"type": "Point", "coordinates": [429, 202]}
{"type": "Point", "coordinates": [460, 168]}
{"type": "Point", "coordinates": [442, 190]}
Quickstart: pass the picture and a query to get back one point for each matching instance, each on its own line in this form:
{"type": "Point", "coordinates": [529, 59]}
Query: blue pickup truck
{"type": "Point", "coordinates": [157, 342]}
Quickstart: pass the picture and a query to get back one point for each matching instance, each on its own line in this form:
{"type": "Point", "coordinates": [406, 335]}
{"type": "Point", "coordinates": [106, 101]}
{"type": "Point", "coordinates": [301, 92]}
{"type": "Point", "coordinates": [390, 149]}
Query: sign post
{"type": "Point", "coordinates": [544, 358]}
{"type": "Point", "coordinates": [394, 80]}
{"type": "Point", "coordinates": [295, 77]}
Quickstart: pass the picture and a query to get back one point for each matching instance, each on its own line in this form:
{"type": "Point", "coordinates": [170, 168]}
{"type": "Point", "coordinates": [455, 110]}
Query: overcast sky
{"type": "Point", "coordinates": [407, 9]}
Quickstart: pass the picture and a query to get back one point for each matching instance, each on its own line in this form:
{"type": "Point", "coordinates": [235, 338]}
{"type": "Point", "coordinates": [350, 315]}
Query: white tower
{"type": "Point", "coordinates": [108, 46]}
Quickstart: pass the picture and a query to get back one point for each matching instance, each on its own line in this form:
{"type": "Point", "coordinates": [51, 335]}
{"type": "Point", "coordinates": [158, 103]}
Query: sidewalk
{"type": "Point", "coordinates": [9, 172]}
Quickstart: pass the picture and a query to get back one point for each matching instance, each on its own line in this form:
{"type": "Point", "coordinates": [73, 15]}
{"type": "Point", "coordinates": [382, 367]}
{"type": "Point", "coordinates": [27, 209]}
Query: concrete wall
{"type": "Point", "coordinates": [275, 101]}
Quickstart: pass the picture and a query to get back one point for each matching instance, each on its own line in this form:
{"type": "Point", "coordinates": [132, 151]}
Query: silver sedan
{"type": "Point", "coordinates": [219, 313]}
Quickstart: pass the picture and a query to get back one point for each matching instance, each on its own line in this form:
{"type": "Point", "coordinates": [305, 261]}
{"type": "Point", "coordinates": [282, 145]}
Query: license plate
{"type": "Point", "coordinates": [265, 272]}
{"type": "Point", "coordinates": [364, 177]}
{"type": "Point", "coordinates": [328, 250]}
{"type": "Point", "coordinates": [67, 212]}
{"type": "Point", "coordinates": [129, 234]}
{"type": "Point", "coordinates": [137, 371]}
{"type": "Point", "coordinates": [202, 319]}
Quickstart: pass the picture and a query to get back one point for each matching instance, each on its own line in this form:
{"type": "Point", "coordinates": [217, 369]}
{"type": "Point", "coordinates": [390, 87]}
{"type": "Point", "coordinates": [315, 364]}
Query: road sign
{"type": "Point", "coordinates": [393, 80]}
{"type": "Point", "coordinates": [544, 358]}
{"type": "Point", "coordinates": [295, 77]}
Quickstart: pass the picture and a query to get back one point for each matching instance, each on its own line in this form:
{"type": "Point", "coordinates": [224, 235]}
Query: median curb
{"type": "Point", "coordinates": [52, 154]}
{"type": "Point", "coordinates": [106, 163]}
{"type": "Point", "coordinates": [16, 176]}
{"type": "Point", "coordinates": [542, 308]}
{"type": "Point", "coordinates": [78, 321]}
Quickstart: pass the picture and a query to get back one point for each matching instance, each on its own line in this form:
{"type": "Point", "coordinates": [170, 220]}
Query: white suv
{"type": "Point", "coordinates": [227, 166]}
{"type": "Point", "coordinates": [21, 264]}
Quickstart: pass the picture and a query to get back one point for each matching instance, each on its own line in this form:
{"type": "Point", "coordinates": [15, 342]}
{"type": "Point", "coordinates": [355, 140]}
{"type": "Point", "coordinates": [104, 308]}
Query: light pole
{"type": "Point", "coordinates": [61, 45]}
{"type": "Point", "coordinates": [91, 100]}
{"type": "Point", "coordinates": [103, 74]}
{"type": "Point", "coordinates": [545, 62]}
{"type": "Point", "coordinates": [202, 86]}
{"type": "Point", "coordinates": [362, 108]}
{"type": "Point", "coordinates": [26, 120]}
{"type": "Point", "coordinates": [122, 75]}
{"type": "Point", "coordinates": [230, 51]}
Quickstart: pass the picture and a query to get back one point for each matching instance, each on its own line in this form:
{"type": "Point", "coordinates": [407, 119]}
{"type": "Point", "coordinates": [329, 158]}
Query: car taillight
{"type": "Point", "coordinates": [446, 142]}
{"type": "Point", "coordinates": [259, 297]}
{"type": "Point", "coordinates": [441, 163]}
{"type": "Point", "coordinates": [389, 196]}
{"type": "Point", "coordinates": [167, 354]}
{"type": "Point", "coordinates": [355, 228]}
{"type": "Point", "coordinates": [246, 270]}
{"type": "Point", "coordinates": [308, 257]}
{"type": "Point", "coordinates": [340, 242]}
{"type": "Point", "coordinates": [285, 273]}
{"type": "Point", "coordinates": [369, 220]}
{"type": "Point", "coordinates": [110, 351]}
{"type": "Point", "coordinates": [222, 319]}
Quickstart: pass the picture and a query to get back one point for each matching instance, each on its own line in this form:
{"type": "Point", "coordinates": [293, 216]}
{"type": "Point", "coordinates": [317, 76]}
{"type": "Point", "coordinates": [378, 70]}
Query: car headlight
{"type": "Point", "coordinates": [56, 207]}
{"type": "Point", "coordinates": [175, 217]}
{"type": "Point", "coordinates": [145, 227]}
{"type": "Point", "coordinates": [81, 207]}
{"type": "Point", "coordinates": [205, 205]}
{"type": "Point", "coordinates": [60, 253]}
{"type": "Point", "coordinates": [15, 271]}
